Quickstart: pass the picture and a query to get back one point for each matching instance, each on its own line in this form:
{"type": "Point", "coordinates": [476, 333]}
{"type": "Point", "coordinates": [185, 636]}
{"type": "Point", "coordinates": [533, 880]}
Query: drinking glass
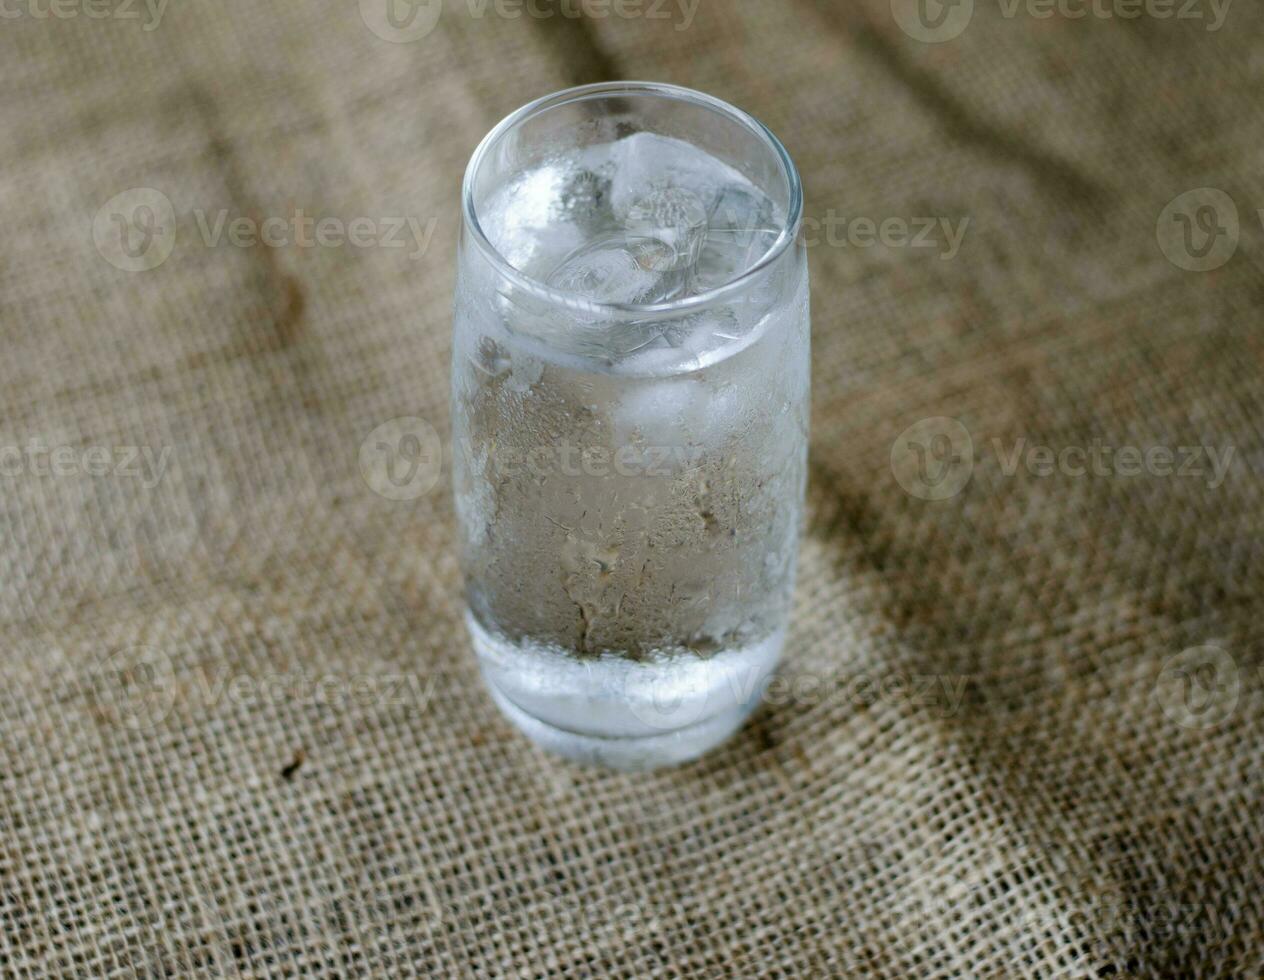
{"type": "Point", "coordinates": [630, 379]}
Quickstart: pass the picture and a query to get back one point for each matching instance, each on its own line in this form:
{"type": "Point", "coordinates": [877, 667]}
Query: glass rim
{"type": "Point", "coordinates": [600, 90]}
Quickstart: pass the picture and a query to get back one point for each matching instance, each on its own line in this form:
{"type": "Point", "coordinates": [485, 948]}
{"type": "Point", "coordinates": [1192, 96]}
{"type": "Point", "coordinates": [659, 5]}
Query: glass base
{"type": "Point", "coordinates": [629, 753]}
{"type": "Point", "coordinates": [620, 713]}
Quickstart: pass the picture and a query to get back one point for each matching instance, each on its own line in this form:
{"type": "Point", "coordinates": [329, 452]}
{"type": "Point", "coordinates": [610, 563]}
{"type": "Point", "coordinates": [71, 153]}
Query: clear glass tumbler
{"type": "Point", "coordinates": [630, 417]}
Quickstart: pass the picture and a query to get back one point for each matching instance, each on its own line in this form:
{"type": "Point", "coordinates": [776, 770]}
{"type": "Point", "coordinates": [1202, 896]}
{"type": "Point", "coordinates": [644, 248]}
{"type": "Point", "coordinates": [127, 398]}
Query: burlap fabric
{"type": "Point", "coordinates": [241, 731]}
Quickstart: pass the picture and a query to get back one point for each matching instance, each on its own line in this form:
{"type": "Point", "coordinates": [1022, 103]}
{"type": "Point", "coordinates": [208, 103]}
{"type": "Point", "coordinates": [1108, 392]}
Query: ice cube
{"type": "Point", "coordinates": [656, 359]}
{"type": "Point", "coordinates": [491, 358]}
{"type": "Point", "coordinates": [701, 334]}
{"type": "Point", "coordinates": [720, 324]}
{"type": "Point", "coordinates": [738, 210]}
{"type": "Point", "coordinates": [687, 411]}
{"type": "Point", "coordinates": [618, 269]}
{"type": "Point", "coordinates": [644, 161]}
{"type": "Point", "coordinates": [657, 413]}
{"type": "Point", "coordinates": [672, 215]}
{"type": "Point", "coordinates": [741, 228]}
{"type": "Point", "coordinates": [584, 199]}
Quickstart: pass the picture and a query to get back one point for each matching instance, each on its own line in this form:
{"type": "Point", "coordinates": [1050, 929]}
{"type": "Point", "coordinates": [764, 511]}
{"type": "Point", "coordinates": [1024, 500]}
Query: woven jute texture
{"type": "Point", "coordinates": [1017, 731]}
